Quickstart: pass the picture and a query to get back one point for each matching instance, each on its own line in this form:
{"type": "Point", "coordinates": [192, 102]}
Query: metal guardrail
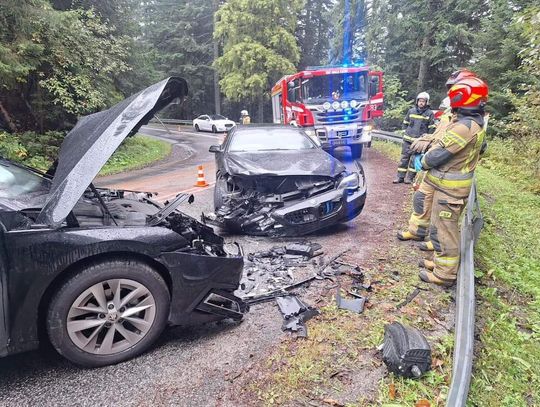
{"type": "Point", "coordinates": [465, 302]}
{"type": "Point", "coordinates": [172, 121]}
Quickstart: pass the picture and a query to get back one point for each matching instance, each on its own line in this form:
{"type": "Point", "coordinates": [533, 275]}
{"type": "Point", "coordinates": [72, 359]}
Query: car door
{"type": "Point", "coordinates": [207, 123]}
{"type": "Point", "coordinates": [4, 329]}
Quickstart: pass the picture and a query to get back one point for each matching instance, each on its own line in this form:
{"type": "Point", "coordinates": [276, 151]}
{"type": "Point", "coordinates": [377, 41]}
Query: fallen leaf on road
{"type": "Point", "coordinates": [422, 403]}
{"type": "Point", "coordinates": [392, 391]}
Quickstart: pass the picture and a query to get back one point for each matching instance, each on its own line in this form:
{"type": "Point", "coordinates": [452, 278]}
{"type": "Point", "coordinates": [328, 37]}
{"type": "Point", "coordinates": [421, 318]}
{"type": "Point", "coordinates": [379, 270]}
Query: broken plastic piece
{"type": "Point", "coordinates": [406, 351]}
{"type": "Point", "coordinates": [356, 305]}
{"type": "Point", "coordinates": [295, 314]}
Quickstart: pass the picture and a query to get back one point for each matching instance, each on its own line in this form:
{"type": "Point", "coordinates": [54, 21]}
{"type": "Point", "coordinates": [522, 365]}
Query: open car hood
{"type": "Point", "coordinates": [95, 138]}
{"type": "Point", "coordinates": [312, 162]}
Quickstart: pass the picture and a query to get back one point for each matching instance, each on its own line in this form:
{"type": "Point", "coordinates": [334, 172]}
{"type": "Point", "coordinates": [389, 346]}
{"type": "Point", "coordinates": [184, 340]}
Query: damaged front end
{"type": "Point", "coordinates": [287, 205]}
{"type": "Point", "coordinates": [204, 270]}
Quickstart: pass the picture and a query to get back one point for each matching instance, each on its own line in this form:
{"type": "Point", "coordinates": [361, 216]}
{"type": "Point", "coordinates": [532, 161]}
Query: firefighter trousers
{"type": "Point", "coordinates": [437, 213]}
{"type": "Point", "coordinates": [444, 233]}
{"type": "Point", "coordinates": [421, 214]}
{"type": "Point", "coordinates": [406, 164]}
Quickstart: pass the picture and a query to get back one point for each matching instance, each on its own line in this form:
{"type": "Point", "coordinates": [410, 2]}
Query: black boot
{"type": "Point", "coordinates": [398, 180]}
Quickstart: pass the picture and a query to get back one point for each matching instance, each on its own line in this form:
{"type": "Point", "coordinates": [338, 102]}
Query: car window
{"type": "Point", "coordinates": [270, 140]}
{"type": "Point", "coordinates": [16, 181]}
{"type": "Point", "coordinates": [217, 117]}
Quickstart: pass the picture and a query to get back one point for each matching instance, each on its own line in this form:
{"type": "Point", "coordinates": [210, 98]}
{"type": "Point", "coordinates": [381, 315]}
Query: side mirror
{"type": "Point", "coordinates": [215, 149]}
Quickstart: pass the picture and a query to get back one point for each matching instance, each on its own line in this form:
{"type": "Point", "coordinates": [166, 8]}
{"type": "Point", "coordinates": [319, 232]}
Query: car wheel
{"type": "Point", "coordinates": [214, 129]}
{"type": "Point", "coordinates": [108, 312]}
{"type": "Point", "coordinates": [220, 189]}
{"type": "Point", "coordinates": [197, 128]}
{"type": "Point", "coordinates": [356, 151]}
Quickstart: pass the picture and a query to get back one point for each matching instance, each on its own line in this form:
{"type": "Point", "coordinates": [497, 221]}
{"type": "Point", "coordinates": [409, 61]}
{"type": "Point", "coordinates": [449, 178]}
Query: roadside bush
{"type": "Point", "coordinates": [30, 148]}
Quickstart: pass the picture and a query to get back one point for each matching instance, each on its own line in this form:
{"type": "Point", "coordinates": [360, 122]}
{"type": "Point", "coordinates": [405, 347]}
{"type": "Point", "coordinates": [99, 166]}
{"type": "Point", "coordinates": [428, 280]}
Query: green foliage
{"type": "Point", "coordinates": [30, 148]}
{"type": "Point", "coordinates": [258, 43]}
{"type": "Point", "coordinates": [136, 152]}
{"type": "Point", "coordinates": [181, 39]}
{"type": "Point", "coordinates": [506, 370]}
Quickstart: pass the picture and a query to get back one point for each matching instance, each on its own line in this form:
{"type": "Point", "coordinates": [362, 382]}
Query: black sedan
{"type": "Point", "coordinates": [277, 181]}
{"type": "Point", "coordinates": [101, 272]}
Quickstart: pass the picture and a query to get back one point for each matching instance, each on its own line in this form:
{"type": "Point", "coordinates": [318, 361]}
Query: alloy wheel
{"type": "Point", "coordinates": [111, 316]}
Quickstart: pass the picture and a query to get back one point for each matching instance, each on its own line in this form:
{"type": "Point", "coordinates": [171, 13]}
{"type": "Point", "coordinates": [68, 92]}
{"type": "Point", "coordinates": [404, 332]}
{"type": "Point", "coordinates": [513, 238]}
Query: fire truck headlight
{"type": "Point", "coordinates": [344, 104]}
{"type": "Point", "coordinates": [335, 105]}
{"type": "Point", "coordinates": [353, 103]}
{"type": "Point", "coordinates": [326, 105]}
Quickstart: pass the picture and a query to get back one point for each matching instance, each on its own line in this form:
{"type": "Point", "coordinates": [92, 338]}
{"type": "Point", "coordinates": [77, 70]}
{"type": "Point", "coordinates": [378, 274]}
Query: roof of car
{"type": "Point", "coordinates": [266, 126]}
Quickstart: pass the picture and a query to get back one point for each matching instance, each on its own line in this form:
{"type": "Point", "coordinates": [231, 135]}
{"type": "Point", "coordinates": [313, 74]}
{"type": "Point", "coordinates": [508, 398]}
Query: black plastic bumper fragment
{"type": "Point", "coordinates": [295, 314]}
{"type": "Point", "coordinates": [406, 351]}
{"type": "Point", "coordinates": [223, 303]}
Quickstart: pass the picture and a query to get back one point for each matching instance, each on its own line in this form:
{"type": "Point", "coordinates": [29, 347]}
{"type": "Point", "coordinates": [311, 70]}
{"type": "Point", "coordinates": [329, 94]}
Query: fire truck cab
{"type": "Point", "coordinates": [335, 105]}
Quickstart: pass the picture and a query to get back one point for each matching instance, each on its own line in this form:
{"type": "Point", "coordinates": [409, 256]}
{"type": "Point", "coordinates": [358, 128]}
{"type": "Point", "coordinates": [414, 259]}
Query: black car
{"type": "Point", "coordinates": [277, 181]}
{"type": "Point", "coordinates": [101, 272]}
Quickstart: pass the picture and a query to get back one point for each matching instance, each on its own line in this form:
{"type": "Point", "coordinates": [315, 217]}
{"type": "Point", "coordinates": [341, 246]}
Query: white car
{"type": "Point", "coordinates": [213, 122]}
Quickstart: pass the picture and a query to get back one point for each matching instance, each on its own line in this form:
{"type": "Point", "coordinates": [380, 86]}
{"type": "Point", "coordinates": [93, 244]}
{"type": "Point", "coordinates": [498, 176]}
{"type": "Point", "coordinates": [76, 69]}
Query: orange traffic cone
{"type": "Point", "coordinates": [201, 181]}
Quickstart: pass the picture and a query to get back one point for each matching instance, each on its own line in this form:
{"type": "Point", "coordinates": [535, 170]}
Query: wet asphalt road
{"type": "Point", "coordinates": [194, 366]}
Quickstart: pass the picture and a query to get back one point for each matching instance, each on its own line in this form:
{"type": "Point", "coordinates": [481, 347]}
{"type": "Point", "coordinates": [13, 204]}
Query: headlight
{"type": "Point", "coordinates": [353, 103]}
{"type": "Point", "coordinates": [310, 132]}
{"type": "Point", "coordinates": [351, 181]}
{"type": "Point", "coordinates": [335, 105]}
{"type": "Point", "coordinates": [344, 104]}
{"type": "Point", "coordinates": [368, 128]}
{"type": "Point", "coordinates": [326, 105]}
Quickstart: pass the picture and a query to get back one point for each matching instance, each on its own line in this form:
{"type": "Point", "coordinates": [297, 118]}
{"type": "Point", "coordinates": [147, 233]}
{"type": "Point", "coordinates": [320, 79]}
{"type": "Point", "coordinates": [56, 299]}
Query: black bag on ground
{"type": "Point", "coordinates": [406, 351]}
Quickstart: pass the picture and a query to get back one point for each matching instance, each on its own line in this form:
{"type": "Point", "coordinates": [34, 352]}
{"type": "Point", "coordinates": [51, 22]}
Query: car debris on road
{"type": "Point", "coordinates": [275, 181]}
{"type": "Point", "coordinates": [295, 314]}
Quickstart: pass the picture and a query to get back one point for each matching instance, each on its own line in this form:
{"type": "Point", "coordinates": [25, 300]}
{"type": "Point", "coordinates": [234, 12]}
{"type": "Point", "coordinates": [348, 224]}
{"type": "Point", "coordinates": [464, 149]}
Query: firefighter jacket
{"type": "Point", "coordinates": [418, 122]}
{"type": "Point", "coordinates": [451, 161]}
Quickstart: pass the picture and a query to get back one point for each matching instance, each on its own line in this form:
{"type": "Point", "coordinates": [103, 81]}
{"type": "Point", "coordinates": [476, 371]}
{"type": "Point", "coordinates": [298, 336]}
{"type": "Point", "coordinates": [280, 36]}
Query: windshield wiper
{"type": "Point", "coordinates": [102, 202]}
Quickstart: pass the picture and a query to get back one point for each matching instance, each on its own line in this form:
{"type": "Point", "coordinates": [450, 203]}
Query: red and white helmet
{"type": "Point", "coordinates": [456, 76]}
{"type": "Point", "coordinates": [468, 93]}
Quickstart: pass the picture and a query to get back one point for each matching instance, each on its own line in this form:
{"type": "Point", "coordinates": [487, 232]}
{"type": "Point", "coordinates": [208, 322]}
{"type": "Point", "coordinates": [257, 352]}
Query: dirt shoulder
{"type": "Point", "coordinates": [338, 363]}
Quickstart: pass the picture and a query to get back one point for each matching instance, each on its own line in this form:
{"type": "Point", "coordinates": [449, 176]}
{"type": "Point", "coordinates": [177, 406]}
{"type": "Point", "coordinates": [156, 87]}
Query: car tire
{"type": "Point", "coordinates": [356, 151]}
{"type": "Point", "coordinates": [197, 128]}
{"type": "Point", "coordinates": [214, 129]}
{"type": "Point", "coordinates": [82, 330]}
{"type": "Point", "coordinates": [220, 189]}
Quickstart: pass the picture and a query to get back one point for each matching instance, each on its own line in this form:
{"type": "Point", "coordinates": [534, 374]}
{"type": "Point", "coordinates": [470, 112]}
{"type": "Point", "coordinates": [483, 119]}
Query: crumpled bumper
{"type": "Point", "coordinates": [319, 212]}
{"type": "Point", "coordinates": [203, 286]}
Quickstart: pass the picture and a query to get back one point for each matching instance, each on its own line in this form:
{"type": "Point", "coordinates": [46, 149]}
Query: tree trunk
{"type": "Point", "coordinates": [260, 113]}
{"type": "Point", "coordinates": [217, 98]}
{"type": "Point", "coordinates": [217, 101]}
{"type": "Point", "coordinates": [7, 118]}
{"type": "Point", "coordinates": [424, 62]}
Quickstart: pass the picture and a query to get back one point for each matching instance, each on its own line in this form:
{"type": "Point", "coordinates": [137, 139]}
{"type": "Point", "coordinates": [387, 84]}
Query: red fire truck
{"type": "Point", "coordinates": [336, 104]}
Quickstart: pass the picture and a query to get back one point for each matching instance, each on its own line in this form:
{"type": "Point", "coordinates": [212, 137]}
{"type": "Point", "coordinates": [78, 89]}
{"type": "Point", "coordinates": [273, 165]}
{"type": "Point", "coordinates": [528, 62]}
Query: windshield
{"type": "Point", "coordinates": [348, 86]}
{"type": "Point", "coordinates": [18, 182]}
{"type": "Point", "coordinates": [270, 139]}
{"type": "Point", "coordinates": [217, 117]}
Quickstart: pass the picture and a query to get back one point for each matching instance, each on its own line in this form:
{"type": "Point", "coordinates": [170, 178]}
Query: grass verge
{"type": "Point", "coordinates": [134, 153]}
{"type": "Point", "coordinates": [508, 288]}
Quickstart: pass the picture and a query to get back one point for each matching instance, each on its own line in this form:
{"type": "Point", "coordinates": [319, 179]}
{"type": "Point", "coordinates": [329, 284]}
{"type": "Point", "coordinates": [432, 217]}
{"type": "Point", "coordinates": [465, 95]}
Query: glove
{"type": "Point", "coordinates": [420, 145]}
{"type": "Point", "coordinates": [418, 162]}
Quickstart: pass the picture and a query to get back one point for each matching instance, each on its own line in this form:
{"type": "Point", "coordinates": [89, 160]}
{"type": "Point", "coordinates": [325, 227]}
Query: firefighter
{"type": "Point", "coordinates": [450, 165]}
{"type": "Point", "coordinates": [244, 117]}
{"type": "Point", "coordinates": [423, 195]}
{"type": "Point", "coordinates": [418, 120]}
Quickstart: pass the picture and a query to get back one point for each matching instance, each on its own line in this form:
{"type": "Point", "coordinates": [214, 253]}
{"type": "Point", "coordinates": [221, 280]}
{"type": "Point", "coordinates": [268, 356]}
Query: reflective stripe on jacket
{"type": "Point", "coordinates": [418, 122]}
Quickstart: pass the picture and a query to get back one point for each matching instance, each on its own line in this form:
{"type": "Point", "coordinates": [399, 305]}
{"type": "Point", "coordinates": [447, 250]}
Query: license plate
{"type": "Point", "coordinates": [342, 133]}
{"type": "Point", "coordinates": [338, 142]}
